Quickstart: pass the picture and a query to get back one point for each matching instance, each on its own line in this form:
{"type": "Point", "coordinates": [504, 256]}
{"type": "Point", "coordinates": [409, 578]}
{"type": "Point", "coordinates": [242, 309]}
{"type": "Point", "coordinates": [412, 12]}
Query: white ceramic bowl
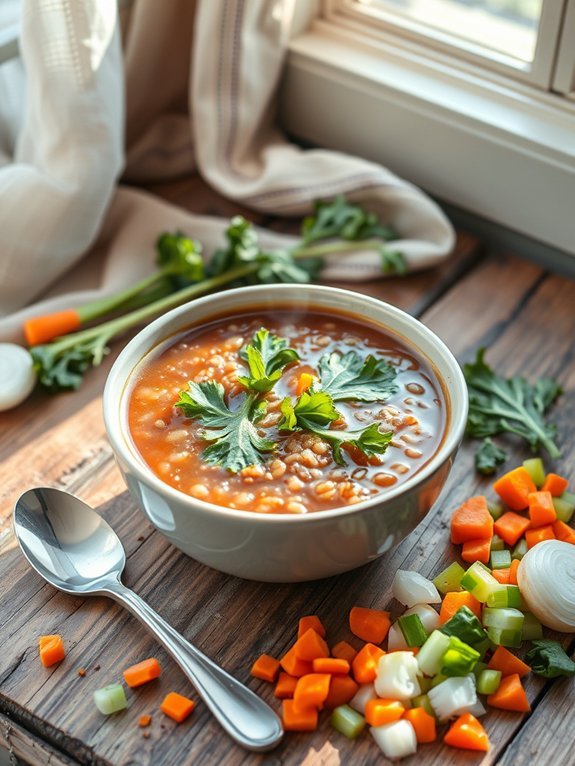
{"type": "Point", "coordinates": [284, 547]}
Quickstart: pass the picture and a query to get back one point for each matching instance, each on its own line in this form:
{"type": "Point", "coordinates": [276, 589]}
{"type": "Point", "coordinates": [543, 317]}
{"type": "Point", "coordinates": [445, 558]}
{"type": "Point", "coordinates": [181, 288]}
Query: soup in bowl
{"type": "Point", "coordinates": [285, 433]}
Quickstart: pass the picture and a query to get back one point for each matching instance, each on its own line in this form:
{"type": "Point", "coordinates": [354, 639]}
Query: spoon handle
{"type": "Point", "coordinates": [244, 715]}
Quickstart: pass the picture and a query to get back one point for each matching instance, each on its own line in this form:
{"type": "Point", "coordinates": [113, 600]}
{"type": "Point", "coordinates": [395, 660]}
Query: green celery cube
{"type": "Point", "coordinates": [449, 579]}
{"type": "Point", "coordinates": [347, 721]}
{"type": "Point", "coordinates": [505, 636]}
{"type": "Point", "coordinates": [535, 468]}
{"type": "Point", "coordinates": [497, 544]}
{"type": "Point", "coordinates": [500, 559]}
{"type": "Point", "coordinates": [520, 549]}
{"type": "Point", "coordinates": [532, 628]}
{"type": "Point", "coordinates": [422, 700]}
{"type": "Point", "coordinates": [488, 681]}
{"type": "Point", "coordinates": [564, 506]}
{"type": "Point", "coordinates": [496, 509]}
{"type": "Point", "coordinates": [110, 699]}
{"type": "Point", "coordinates": [479, 581]}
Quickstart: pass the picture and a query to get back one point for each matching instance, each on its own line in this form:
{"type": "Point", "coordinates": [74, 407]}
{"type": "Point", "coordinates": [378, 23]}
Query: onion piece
{"type": "Point", "coordinates": [546, 578]}
{"type": "Point", "coordinates": [17, 375]}
{"type": "Point", "coordinates": [396, 740]}
{"type": "Point", "coordinates": [428, 616]}
{"type": "Point", "coordinates": [411, 588]}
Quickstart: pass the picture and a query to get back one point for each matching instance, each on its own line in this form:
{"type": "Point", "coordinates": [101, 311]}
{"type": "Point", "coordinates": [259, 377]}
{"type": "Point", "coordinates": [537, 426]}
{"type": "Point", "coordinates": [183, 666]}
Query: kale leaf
{"type": "Point", "coordinates": [488, 457]}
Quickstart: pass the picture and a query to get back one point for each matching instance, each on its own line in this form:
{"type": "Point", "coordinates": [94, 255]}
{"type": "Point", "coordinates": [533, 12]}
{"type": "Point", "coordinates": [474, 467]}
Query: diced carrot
{"type": "Point", "coordinates": [564, 532]}
{"type": "Point", "coordinates": [381, 711]}
{"type": "Point", "coordinates": [555, 484]}
{"type": "Point", "coordinates": [365, 663]}
{"type": "Point", "coordinates": [311, 621]}
{"type": "Point", "coordinates": [423, 724]}
{"type": "Point", "coordinates": [285, 686]}
{"type": "Point", "coordinates": [331, 665]}
{"type": "Point", "coordinates": [144, 720]}
{"type": "Point", "coordinates": [507, 663]}
{"type": "Point", "coordinates": [501, 575]}
{"type": "Point", "coordinates": [541, 510]}
{"type": "Point", "coordinates": [534, 536]}
{"type": "Point", "coordinates": [291, 663]}
{"type": "Point", "coordinates": [511, 526]}
{"type": "Point", "coordinates": [42, 329]}
{"type": "Point", "coordinates": [344, 651]}
{"type": "Point", "coordinates": [142, 672]}
{"type": "Point", "coordinates": [295, 719]}
{"type": "Point", "coordinates": [476, 550]}
{"type": "Point", "coordinates": [471, 521]}
{"type": "Point", "coordinates": [304, 382]}
{"type": "Point", "coordinates": [310, 646]}
{"type": "Point", "coordinates": [510, 695]}
{"type": "Point", "coordinates": [311, 690]}
{"type": "Point", "coordinates": [369, 624]}
{"type": "Point", "coordinates": [341, 690]}
{"type": "Point", "coordinates": [468, 734]}
{"type": "Point", "coordinates": [454, 600]}
{"type": "Point", "coordinates": [177, 706]}
{"type": "Point", "coordinates": [266, 668]}
{"type": "Point", "coordinates": [513, 571]}
{"type": "Point", "coordinates": [51, 650]}
{"type": "Point", "coordinates": [514, 488]}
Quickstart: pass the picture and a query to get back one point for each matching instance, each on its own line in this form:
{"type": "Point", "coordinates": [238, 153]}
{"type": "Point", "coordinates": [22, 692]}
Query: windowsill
{"type": "Point", "coordinates": [505, 153]}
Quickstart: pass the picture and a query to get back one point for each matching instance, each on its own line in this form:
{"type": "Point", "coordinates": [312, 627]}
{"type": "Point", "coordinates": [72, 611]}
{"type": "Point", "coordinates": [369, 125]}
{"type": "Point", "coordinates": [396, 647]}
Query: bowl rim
{"type": "Point", "coordinates": [114, 399]}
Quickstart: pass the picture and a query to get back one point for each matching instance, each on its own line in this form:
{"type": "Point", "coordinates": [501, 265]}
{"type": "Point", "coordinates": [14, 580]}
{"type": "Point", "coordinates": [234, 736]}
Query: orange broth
{"type": "Point", "coordinates": [300, 475]}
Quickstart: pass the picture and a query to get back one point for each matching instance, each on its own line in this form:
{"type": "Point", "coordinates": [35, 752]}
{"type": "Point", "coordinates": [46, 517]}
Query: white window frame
{"type": "Point", "coordinates": [564, 81]}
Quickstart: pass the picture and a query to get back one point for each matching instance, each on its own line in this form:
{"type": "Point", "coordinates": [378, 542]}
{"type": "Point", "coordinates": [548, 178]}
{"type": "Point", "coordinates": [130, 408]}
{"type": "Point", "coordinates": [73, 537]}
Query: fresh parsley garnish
{"type": "Point", "coordinates": [547, 658]}
{"type": "Point", "coordinates": [235, 441]}
{"type": "Point", "coordinates": [488, 457]}
{"type": "Point", "coordinates": [314, 410]}
{"type": "Point", "coordinates": [351, 377]}
{"type": "Point", "coordinates": [267, 357]}
{"type": "Point", "coordinates": [510, 405]}
{"type": "Point", "coordinates": [342, 219]}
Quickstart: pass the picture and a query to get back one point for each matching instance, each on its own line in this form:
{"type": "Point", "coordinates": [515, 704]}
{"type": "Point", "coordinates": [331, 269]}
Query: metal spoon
{"type": "Point", "coordinates": [76, 551]}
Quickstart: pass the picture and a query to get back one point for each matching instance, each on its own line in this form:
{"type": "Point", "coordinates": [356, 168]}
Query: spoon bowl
{"type": "Point", "coordinates": [74, 549]}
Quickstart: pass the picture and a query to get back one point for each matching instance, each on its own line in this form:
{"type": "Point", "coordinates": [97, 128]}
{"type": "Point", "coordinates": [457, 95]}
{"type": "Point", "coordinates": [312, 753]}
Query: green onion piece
{"type": "Point", "coordinates": [459, 659]}
{"type": "Point", "coordinates": [509, 595]}
{"type": "Point", "coordinates": [520, 549]}
{"type": "Point", "coordinates": [488, 681]}
{"type": "Point", "coordinates": [496, 509]}
{"type": "Point", "coordinates": [347, 721]}
{"type": "Point", "coordinates": [547, 658]}
{"type": "Point", "coordinates": [449, 579]}
{"type": "Point", "coordinates": [110, 699]}
{"type": "Point", "coordinates": [465, 625]}
{"type": "Point", "coordinates": [497, 544]}
{"type": "Point", "coordinates": [532, 628]}
{"type": "Point", "coordinates": [506, 618]}
{"type": "Point", "coordinates": [479, 581]}
{"type": "Point", "coordinates": [431, 653]}
{"type": "Point", "coordinates": [564, 506]}
{"type": "Point", "coordinates": [412, 629]}
{"type": "Point", "coordinates": [500, 559]}
{"type": "Point", "coordinates": [422, 700]}
{"type": "Point", "coordinates": [505, 636]}
{"type": "Point", "coordinates": [438, 679]}
{"type": "Point", "coordinates": [535, 468]}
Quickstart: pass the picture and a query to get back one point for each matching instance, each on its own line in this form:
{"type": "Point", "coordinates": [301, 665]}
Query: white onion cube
{"type": "Point", "coordinates": [396, 740]}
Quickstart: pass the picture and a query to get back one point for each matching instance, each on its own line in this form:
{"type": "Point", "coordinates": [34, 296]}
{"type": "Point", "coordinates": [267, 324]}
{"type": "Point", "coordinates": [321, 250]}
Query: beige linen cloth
{"type": "Point", "coordinates": [193, 90]}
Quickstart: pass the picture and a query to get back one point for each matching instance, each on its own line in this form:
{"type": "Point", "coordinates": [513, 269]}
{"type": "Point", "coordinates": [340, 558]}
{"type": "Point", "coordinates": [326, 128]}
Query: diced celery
{"type": "Point", "coordinates": [497, 544]}
{"type": "Point", "coordinates": [509, 595]}
{"type": "Point", "coordinates": [483, 566]}
{"type": "Point", "coordinates": [431, 653]}
{"type": "Point", "coordinates": [505, 619]}
{"type": "Point", "coordinates": [438, 679]}
{"type": "Point", "coordinates": [422, 700]}
{"type": "Point", "coordinates": [479, 581]}
{"type": "Point", "coordinates": [428, 616]}
{"type": "Point", "coordinates": [488, 681]}
{"type": "Point", "coordinates": [496, 509]}
{"type": "Point", "coordinates": [459, 659]}
{"type": "Point", "coordinates": [347, 721]}
{"type": "Point", "coordinates": [500, 559]}
{"type": "Point", "coordinates": [465, 625]}
{"type": "Point", "coordinates": [564, 506]}
{"type": "Point", "coordinates": [449, 579]}
{"type": "Point", "coordinates": [532, 628]}
{"type": "Point", "coordinates": [412, 629]}
{"type": "Point", "coordinates": [505, 636]}
{"type": "Point", "coordinates": [110, 699]}
{"type": "Point", "coordinates": [520, 549]}
{"type": "Point", "coordinates": [479, 666]}
{"type": "Point", "coordinates": [535, 468]}
{"type": "Point", "coordinates": [424, 685]}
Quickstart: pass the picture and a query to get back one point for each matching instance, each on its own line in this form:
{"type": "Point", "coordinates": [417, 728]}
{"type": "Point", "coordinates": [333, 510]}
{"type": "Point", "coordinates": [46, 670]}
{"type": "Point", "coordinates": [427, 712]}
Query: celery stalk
{"type": "Point", "coordinates": [431, 653]}
{"type": "Point", "coordinates": [520, 549]}
{"type": "Point", "coordinates": [509, 595]}
{"type": "Point", "coordinates": [449, 579]}
{"type": "Point", "coordinates": [505, 636]}
{"type": "Point", "coordinates": [500, 559]}
{"type": "Point", "coordinates": [459, 659]}
{"type": "Point", "coordinates": [479, 581]}
{"type": "Point", "coordinates": [347, 721]}
{"type": "Point", "coordinates": [412, 629]}
{"type": "Point", "coordinates": [422, 700]}
{"type": "Point", "coordinates": [535, 468]}
{"type": "Point", "coordinates": [564, 506]}
{"type": "Point", "coordinates": [110, 699]}
{"type": "Point", "coordinates": [488, 681]}
{"type": "Point", "coordinates": [532, 628]}
{"type": "Point", "coordinates": [506, 618]}
{"type": "Point", "coordinates": [497, 544]}
{"type": "Point", "coordinates": [496, 509]}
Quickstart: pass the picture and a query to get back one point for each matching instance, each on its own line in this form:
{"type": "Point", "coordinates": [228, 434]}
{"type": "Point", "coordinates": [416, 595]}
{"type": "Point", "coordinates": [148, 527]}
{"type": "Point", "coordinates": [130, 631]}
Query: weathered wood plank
{"type": "Point", "coordinates": [20, 743]}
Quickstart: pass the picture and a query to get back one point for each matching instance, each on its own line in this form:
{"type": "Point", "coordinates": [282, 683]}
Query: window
{"type": "Point", "coordinates": [529, 40]}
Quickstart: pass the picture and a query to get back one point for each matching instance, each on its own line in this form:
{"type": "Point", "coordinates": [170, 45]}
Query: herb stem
{"type": "Point", "coordinates": [328, 248]}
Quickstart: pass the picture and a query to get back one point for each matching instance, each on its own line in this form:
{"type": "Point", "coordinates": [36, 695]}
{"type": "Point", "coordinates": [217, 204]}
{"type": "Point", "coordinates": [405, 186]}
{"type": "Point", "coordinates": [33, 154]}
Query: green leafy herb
{"type": "Point", "coordinates": [509, 405]}
{"type": "Point", "coordinates": [236, 442]}
{"type": "Point", "coordinates": [344, 220]}
{"type": "Point", "coordinates": [548, 659]}
{"type": "Point", "coordinates": [351, 377]}
{"type": "Point", "coordinates": [488, 457]}
{"type": "Point", "coordinates": [393, 262]}
{"type": "Point", "coordinates": [180, 257]}
{"type": "Point", "coordinates": [315, 409]}
{"type": "Point", "coordinates": [267, 357]}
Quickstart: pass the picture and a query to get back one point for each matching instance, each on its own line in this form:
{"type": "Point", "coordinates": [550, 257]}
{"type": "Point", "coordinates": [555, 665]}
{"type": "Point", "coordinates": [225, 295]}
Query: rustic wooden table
{"type": "Point", "coordinates": [527, 319]}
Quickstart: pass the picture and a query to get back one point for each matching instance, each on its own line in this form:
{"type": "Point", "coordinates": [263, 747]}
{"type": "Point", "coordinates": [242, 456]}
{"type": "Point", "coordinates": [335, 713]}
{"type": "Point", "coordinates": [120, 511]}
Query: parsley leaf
{"type": "Point", "coordinates": [393, 262]}
{"type": "Point", "coordinates": [548, 659]}
{"type": "Point", "coordinates": [314, 410]}
{"type": "Point", "coordinates": [342, 219]}
{"type": "Point", "coordinates": [267, 357]}
{"type": "Point", "coordinates": [351, 377]}
{"type": "Point", "coordinates": [509, 405]}
{"type": "Point", "coordinates": [488, 457]}
{"type": "Point", "coordinates": [236, 442]}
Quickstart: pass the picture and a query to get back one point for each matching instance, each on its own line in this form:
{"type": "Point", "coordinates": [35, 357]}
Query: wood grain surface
{"type": "Point", "coordinates": [524, 316]}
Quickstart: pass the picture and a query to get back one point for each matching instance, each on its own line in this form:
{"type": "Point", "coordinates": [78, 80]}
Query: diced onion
{"type": "Point", "coordinates": [362, 696]}
{"type": "Point", "coordinates": [411, 588]}
{"type": "Point", "coordinates": [453, 697]}
{"type": "Point", "coordinates": [546, 578]}
{"type": "Point", "coordinates": [397, 676]}
{"type": "Point", "coordinates": [428, 616]}
{"type": "Point", "coordinates": [395, 639]}
{"type": "Point", "coordinates": [396, 740]}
